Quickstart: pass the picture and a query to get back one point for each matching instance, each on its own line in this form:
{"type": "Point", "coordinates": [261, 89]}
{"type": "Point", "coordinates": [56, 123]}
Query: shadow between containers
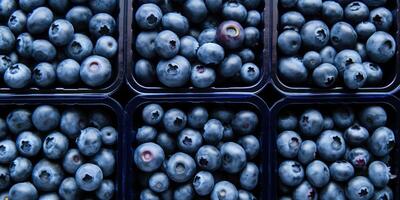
{"type": "Point", "coordinates": [247, 101]}
{"type": "Point", "coordinates": [389, 102]}
{"type": "Point", "coordinates": [391, 87]}
{"type": "Point", "coordinates": [107, 89]}
{"type": "Point", "coordinates": [141, 89]}
{"type": "Point", "coordinates": [109, 104]}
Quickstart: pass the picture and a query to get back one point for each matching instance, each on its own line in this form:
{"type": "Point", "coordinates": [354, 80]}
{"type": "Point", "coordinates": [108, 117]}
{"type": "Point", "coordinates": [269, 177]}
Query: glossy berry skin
{"type": "Point", "coordinates": [325, 75]}
{"type": "Point", "coordinates": [24, 190]}
{"type": "Point", "coordinates": [203, 183]}
{"type": "Point", "coordinates": [288, 144]}
{"type": "Point", "coordinates": [245, 122]}
{"type": "Point", "coordinates": [67, 72]}
{"type": "Point", "coordinates": [385, 193]}
{"type": "Point", "coordinates": [28, 144]}
{"type": "Point", "coordinates": [55, 145]}
{"type": "Point", "coordinates": [251, 146]}
{"type": "Point", "coordinates": [343, 117]}
{"type": "Point", "coordinates": [146, 134]}
{"type": "Point", "coordinates": [214, 5]}
{"type": "Point", "coordinates": [361, 50]}
{"type": "Point", "coordinates": [188, 47]}
{"type": "Point", "coordinates": [233, 10]}
{"type": "Point", "coordinates": [184, 192]}
{"type": "Point", "coordinates": [381, 142]}
{"type": "Point", "coordinates": [210, 53]}
{"type": "Point", "coordinates": [312, 59]}
{"type": "Point", "coordinates": [332, 12]}
{"type": "Point", "coordinates": [174, 120]}
{"type": "Point", "coordinates": [382, 18]}
{"type": "Point", "coordinates": [345, 58]}
{"type": "Point", "coordinates": [79, 16]}
{"type": "Point", "coordinates": [39, 20]}
{"type": "Point", "coordinates": [230, 66]}
{"type": "Point", "coordinates": [89, 141]}
{"type": "Point", "coordinates": [152, 114]}
{"type": "Point", "coordinates": [358, 157]}
{"type": "Point", "coordinates": [328, 54]}
{"type": "Point", "coordinates": [355, 76]}
{"type": "Point", "coordinates": [311, 122]}
{"type": "Point", "coordinates": [159, 182]}
{"type": "Point", "coordinates": [17, 21]}
{"type": "Point", "coordinates": [292, 70]}
{"type": "Point", "coordinates": [309, 7]}
{"type": "Point", "coordinates": [47, 176]}
{"type": "Point", "coordinates": [343, 36]}
{"type": "Point", "coordinates": [317, 173]}
{"type": "Point", "coordinates": [373, 117]}
{"type": "Point", "coordinates": [202, 77]}
{"type": "Point", "coordinates": [72, 122]}
{"type": "Point", "coordinates": [106, 190]}
{"type": "Point", "coordinates": [287, 121]}
{"type": "Point", "coordinates": [144, 72]}
{"type": "Point", "coordinates": [45, 118]}
{"type": "Point", "coordinates": [331, 145]}
{"type": "Point", "coordinates": [68, 188]}
{"type": "Point", "coordinates": [224, 190]}
{"type": "Point", "coordinates": [88, 177]}
{"type": "Point", "coordinates": [146, 39]}
{"type": "Point", "coordinates": [8, 151]}
{"type": "Point", "coordinates": [249, 176]}
{"type": "Point", "coordinates": [234, 157]}
{"type": "Point", "coordinates": [374, 73]}
{"type": "Point", "coordinates": [291, 173]}
{"type": "Point", "coordinates": [23, 45]}
{"type": "Point", "coordinates": [359, 188]}
{"type": "Point", "coordinates": [332, 191]}
{"type": "Point", "coordinates": [247, 55]}
{"type": "Point", "coordinates": [79, 47]}
{"type": "Point", "coordinates": [230, 34]}
{"type": "Point", "coordinates": [102, 24]}
{"type": "Point", "coordinates": [315, 34]}
{"type": "Point", "coordinates": [148, 16]}
{"type": "Point", "coordinates": [61, 32]}
{"type": "Point", "coordinates": [7, 7]}
{"type": "Point", "coordinates": [73, 159]}
{"type": "Point", "coordinates": [379, 174]}
{"type": "Point", "coordinates": [381, 47]}
{"type": "Point", "coordinates": [189, 140]}
{"type": "Point", "coordinates": [365, 30]}
{"type": "Point", "coordinates": [208, 158]}
{"type": "Point", "coordinates": [180, 167]}
{"type": "Point", "coordinates": [17, 76]}
{"type": "Point", "coordinates": [148, 157]}
{"type": "Point", "coordinates": [208, 35]}
{"type": "Point", "coordinates": [44, 75]}
{"type": "Point", "coordinates": [19, 120]}
{"type": "Point", "coordinates": [253, 18]}
{"type": "Point", "coordinates": [20, 169]}
{"type": "Point", "coordinates": [174, 72]}
{"type": "Point", "coordinates": [43, 51]}
{"type": "Point", "coordinates": [95, 71]}
{"type": "Point", "coordinates": [307, 152]}
{"type": "Point", "coordinates": [176, 23]}
{"type": "Point", "coordinates": [252, 36]}
{"type": "Point", "coordinates": [167, 44]}
{"type": "Point", "coordinates": [148, 194]}
{"type": "Point", "coordinates": [105, 159]}
{"type": "Point", "coordinates": [289, 42]}
{"type": "Point", "coordinates": [356, 12]}
{"type": "Point", "coordinates": [5, 63]}
{"type": "Point", "coordinates": [106, 46]}
{"type": "Point", "coordinates": [213, 131]}
{"type": "Point", "coordinates": [356, 134]}
{"type": "Point", "coordinates": [341, 171]}
{"type": "Point", "coordinates": [292, 20]}
{"type": "Point", "coordinates": [305, 191]}
{"type": "Point", "coordinates": [195, 11]}
{"type": "Point", "coordinates": [197, 117]}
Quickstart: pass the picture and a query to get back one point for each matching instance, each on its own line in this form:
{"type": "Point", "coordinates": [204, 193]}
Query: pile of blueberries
{"type": "Point", "coordinates": [195, 155]}
{"type": "Point", "coordinates": [182, 41]}
{"type": "Point", "coordinates": [49, 155]}
{"type": "Point", "coordinates": [338, 154]}
{"type": "Point", "coordinates": [341, 42]}
{"type": "Point", "coordinates": [59, 43]}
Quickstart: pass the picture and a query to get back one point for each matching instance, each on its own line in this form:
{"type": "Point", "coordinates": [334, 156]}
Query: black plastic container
{"type": "Point", "coordinates": [391, 105]}
{"type": "Point", "coordinates": [133, 121]}
{"type": "Point", "coordinates": [108, 105]}
{"type": "Point", "coordinates": [391, 70]}
{"type": "Point", "coordinates": [262, 58]}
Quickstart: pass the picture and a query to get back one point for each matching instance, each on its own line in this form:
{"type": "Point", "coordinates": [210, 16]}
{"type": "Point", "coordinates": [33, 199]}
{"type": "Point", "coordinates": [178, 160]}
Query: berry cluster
{"type": "Point", "coordinates": [204, 42]}
{"type": "Point", "coordinates": [335, 155]}
{"type": "Point", "coordinates": [194, 155]}
{"type": "Point", "coordinates": [332, 43]}
{"type": "Point", "coordinates": [61, 42]}
{"type": "Point", "coordinates": [46, 154]}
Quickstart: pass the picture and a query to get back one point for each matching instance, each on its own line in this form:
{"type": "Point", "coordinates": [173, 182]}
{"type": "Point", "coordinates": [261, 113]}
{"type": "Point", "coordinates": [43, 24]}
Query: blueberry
{"type": "Point", "coordinates": [318, 174]}
{"type": "Point", "coordinates": [288, 144]}
{"type": "Point", "coordinates": [328, 54]}
{"type": "Point", "coordinates": [345, 58]}
{"type": "Point", "coordinates": [341, 171]}
{"type": "Point", "coordinates": [289, 42]}
{"type": "Point", "coordinates": [7, 7]}
{"type": "Point", "coordinates": [312, 59]}
{"type": "Point", "coordinates": [373, 117]}
{"type": "Point", "coordinates": [174, 72]}
{"type": "Point", "coordinates": [356, 12]}
{"type": "Point", "coordinates": [208, 158]}
{"type": "Point", "coordinates": [355, 76]}
{"type": "Point", "coordinates": [24, 190]}
{"type": "Point", "coordinates": [233, 10]}
{"type": "Point", "coordinates": [315, 34]}
{"type": "Point", "coordinates": [5, 178]}
{"type": "Point", "coordinates": [79, 47]}
{"type": "Point", "coordinates": [61, 32]}
{"type": "Point", "coordinates": [79, 16]}
{"type": "Point", "coordinates": [245, 195]}
{"type": "Point", "coordinates": [72, 161]}
{"type": "Point", "coordinates": [311, 122]}
{"type": "Point", "coordinates": [14, 57]}
{"type": "Point", "coordinates": [343, 117]}
{"type": "Point", "coordinates": [88, 177]}
{"type": "Point", "coordinates": [44, 75]}
{"type": "Point", "coordinates": [99, 119]}
{"type": "Point", "coordinates": [144, 71]}
{"type": "Point", "coordinates": [382, 18]}
{"type": "Point", "coordinates": [39, 20]}
{"type": "Point", "coordinates": [17, 21]}
{"type": "Point", "coordinates": [381, 142]}
{"type": "Point", "coordinates": [147, 194]}
{"type": "Point", "coordinates": [325, 75]}
{"type": "Point", "coordinates": [148, 16]}
{"type": "Point", "coordinates": [214, 6]}
{"type": "Point", "coordinates": [72, 121]}
{"type": "Point", "coordinates": [249, 176]}
{"type": "Point", "coordinates": [287, 121]}
{"type": "Point", "coordinates": [166, 142]}
{"type": "Point", "coordinates": [253, 18]}
{"type": "Point", "coordinates": [222, 114]}
{"type": "Point", "coordinates": [202, 77]}
{"type": "Point", "coordinates": [332, 12]}
{"type": "Point", "coordinates": [245, 122]}
{"type": "Point", "coordinates": [106, 190]}
{"type": "Point", "coordinates": [28, 144]}
{"type": "Point", "coordinates": [213, 131]}
{"type": "Point", "coordinates": [374, 73]}
{"type": "Point", "coordinates": [19, 120]}
{"type": "Point", "coordinates": [29, 5]}
{"type": "Point", "coordinates": [305, 191]}
{"type": "Point", "coordinates": [23, 45]}
{"type": "Point", "coordinates": [159, 182]}
{"type": "Point", "coordinates": [356, 134]}
{"type": "Point", "coordinates": [176, 23]}
{"type": "Point", "coordinates": [43, 51]}
{"type": "Point", "coordinates": [152, 114]}
{"type": "Point", "coordinates": [7, 39]}
{"type": "Point", "coordinates": [233, 157]}
{"type": "Point", "coordinates": [184, 192]}
{"type": "Point", "coordinates": [105, 159]}
{"type": "Point", "coordinates": [95, 70]}
{"type": "Point", "coordinates": [180, 167]}
{"type": "Point", "coordinates": [251, 145]}
{"type": "Point", "coordinates": [174, 120]}
{"type": "Point", "coordinates": [249, 73]}
{"type": "Point", "coordinates": [203, 183]}
{"type": "Point", "coordinates": [292, 70]}
{"type": "Point", "coordinates": [232, 35]}
{"type": "Point", "coordinates": [146, 134]}
{"type": "Point", "coordinates": [381, 47]}
{"type": "Point", "coordinates": [291, 173]}
{"type": "Point", "coordinates": [102, 24]}
{"type": "Point", "coordinates": [361, 50]}
{"type": "Point", "coordinates": [149, 157]}
{"type": "Point", "coordinates": [332, 191]}
{"type": "Point", "coordinates": [252, 36]}
{"type": "Point", "coordinates": [343, 36]}
{"type": "Point", "coordinates": [379, 174]}
{"type": "Point", "coordinates": [60, 6]}
{"type": "Point", "coordinates": [167, 44]}
{"type": "Point", "coordinates": [49, 196]}
{"type": "Point", "coordinates": [68, 72]}
{"type": "Point", "coordinates": [210, 53]}
{"type": "Point", "coordinates": [358, 157]}
{"type": "Point", "coordinates": [331, 145]}
{"type": "Point", "coordinates": [359, 188]}
{"type": "Point", "coordinates": [287, 3]}
{"type": "Point", "coordinates": [107, 6]}
{"type": "Point", "coordinates": [68, 189]}
{"type": "Point", "coordinates": [5, 63]}
{"type": "Point", "coordinates": [8, 151]}
{"type": "Point", "coordinates": [55, 145]}
{"type": "Point", "coordinates": [224, 190]}
{"type": "Point", "coordinates": [198, 117]}
{"type": "Point", "coordinates": [45, 118]}
{"type": "Point", "coordinates": [385, 193]}
{"type": "Point", "coordinates": [47, 176]}
{"type": "Point", "coordinates": [208, 35]}
{"type": "Point", "coordinates": [307, 152]}
{"type": "Point", "coordinates": [196, 11]}
{"type": "Point", "coordinates": [189, 140]}
{"type": "Point", "coordinates": [309, 7]}
{"type": "Point", "coordinates": [247, 55]}
{"type": "Point", "coordinates": [188, 47]}
{"type": "Point", "coordinates": [292, 20]}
